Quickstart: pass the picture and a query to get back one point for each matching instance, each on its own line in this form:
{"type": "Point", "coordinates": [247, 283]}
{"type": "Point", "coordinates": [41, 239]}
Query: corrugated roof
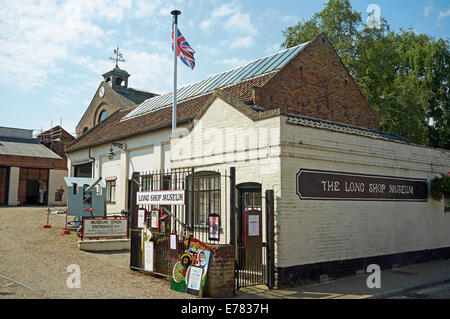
{"type": "Point", "coordinates": [344, 128]}
{"type": "Point", "coordinates": [253, 69]}
{"type": "Point", "coordinates": [29, 147]}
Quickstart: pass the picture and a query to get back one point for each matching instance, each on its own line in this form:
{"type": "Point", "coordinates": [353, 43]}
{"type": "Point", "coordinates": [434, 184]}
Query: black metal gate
{"type": "Point", "coordinates": [254, 260]}
{"type": "Point", "coordinates": [206, 195]}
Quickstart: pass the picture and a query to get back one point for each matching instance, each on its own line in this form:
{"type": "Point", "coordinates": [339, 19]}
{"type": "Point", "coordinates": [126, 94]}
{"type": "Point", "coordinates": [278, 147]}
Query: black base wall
{"type": "Point", "coordinates": [305, 274]}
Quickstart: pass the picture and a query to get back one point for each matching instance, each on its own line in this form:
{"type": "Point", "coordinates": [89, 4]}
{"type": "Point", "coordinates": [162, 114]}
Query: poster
{"type": "Point", "coordinates": [180, 282]}
{"type": "Point", "coordinates": [253, 225]}
{"type": "Point", "coordinates": [154, 219]}
{"type": "Point", "coordinates": [141, 218]}
{"type": "Point", "coordinates": [148, 253]}
{"type": "Point", "coordinates": [147, 249]}
{"type": "Point", "coordinates": [194, 282]}
{"type": "Point", "coordinates": [173, 246]}
{"type": "Point", "coordinates": [173, 241]}
{"type": "Point", "coordinates": [214, 229]}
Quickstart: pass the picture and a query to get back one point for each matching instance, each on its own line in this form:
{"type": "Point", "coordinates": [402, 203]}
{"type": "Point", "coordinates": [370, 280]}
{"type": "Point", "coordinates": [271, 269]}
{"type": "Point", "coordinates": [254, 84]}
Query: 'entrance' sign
{"type": "Point", "coordinates": [325, 185]}
{"type": "Point", "coordinates": [105, 227]}
{"type": "Point", "coordinates": [170, 197]}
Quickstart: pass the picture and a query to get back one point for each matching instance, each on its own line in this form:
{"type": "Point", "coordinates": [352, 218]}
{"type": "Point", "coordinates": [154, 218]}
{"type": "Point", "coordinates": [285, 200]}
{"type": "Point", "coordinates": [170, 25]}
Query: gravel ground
{"type": "Point", "coordinates": [34, 263]}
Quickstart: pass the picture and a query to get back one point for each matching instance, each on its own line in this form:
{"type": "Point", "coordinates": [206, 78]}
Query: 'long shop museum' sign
{"type": "Point", "coordinates": [325, 185]}
{"type": "Point", "coordinates": [169, 197]}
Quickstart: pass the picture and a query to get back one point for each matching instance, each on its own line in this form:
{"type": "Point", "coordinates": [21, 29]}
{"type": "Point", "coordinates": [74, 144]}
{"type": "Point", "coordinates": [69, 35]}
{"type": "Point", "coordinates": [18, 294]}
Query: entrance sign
{"type": "Point", "coordinates": [327, 185]}
{"type": "Point", "coordinates": [170, 197]}
{"type": "Point", "coordinates": [107, 227]}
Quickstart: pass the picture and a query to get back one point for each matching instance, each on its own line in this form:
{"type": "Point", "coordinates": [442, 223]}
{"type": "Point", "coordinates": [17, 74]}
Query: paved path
{"type": "Point", "coordinates": [393, 282]}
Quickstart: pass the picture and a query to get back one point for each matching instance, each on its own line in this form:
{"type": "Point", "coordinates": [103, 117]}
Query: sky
{"type": "Point", "coordinates": [53, 53]}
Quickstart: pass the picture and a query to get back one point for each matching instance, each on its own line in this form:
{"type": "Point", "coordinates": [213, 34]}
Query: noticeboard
{"type": "Point", "coordinates": [253, 228]}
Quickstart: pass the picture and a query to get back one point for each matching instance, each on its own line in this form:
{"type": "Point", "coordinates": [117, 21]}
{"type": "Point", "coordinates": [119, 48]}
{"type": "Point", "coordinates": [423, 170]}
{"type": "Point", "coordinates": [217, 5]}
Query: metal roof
{"type": "Point", "coordinates": [25, 147]}
{"type": "Point", "coordinates": [253, 69]}
{"type": "Point", "coordinates": [344, 128]}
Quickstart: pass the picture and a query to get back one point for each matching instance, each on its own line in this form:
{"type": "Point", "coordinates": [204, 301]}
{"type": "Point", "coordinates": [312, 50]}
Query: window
{"type": "Point", "coordinates": [103, 116]}
{"type": "Point", "coordinates": [206, 196]}
{"type": "Point", "coordinates": [111, 191]}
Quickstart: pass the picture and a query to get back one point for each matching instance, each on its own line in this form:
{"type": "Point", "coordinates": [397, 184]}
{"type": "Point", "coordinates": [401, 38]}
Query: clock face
{"type": "Point", "coordinates": [102, 91]}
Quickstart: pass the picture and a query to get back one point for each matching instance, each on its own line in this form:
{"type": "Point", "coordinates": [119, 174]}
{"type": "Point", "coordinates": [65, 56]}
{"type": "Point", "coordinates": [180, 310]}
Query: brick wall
{"type": "Point", "coordinates": [220, 280]}
{"type": "Point", "coordinates": [110, 102]}
{"type": "Point", "coordinates": [317, 84]}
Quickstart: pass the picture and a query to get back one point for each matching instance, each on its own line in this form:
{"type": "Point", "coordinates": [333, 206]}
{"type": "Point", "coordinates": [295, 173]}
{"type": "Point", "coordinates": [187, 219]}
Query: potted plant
{"type": "Point", "coordinates": [440, 188]}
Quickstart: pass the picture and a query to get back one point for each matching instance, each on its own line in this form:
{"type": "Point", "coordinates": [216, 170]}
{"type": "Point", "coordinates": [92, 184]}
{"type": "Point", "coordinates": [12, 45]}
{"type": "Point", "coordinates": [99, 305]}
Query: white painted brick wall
{"type": "Point", "coordinates": [313, 231]}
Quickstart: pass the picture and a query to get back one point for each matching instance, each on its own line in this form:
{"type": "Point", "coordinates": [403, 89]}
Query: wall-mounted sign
{"type": "Point", "coordinates": [106, 227]}
{"type": "Point", "coordinates": [327, 185]}
{"type": "Point", "coordinates": [170, 197]}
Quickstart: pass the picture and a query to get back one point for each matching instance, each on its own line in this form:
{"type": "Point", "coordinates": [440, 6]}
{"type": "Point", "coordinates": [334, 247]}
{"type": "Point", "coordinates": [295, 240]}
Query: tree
{"type": "Point", "coordinates": [403, 75]}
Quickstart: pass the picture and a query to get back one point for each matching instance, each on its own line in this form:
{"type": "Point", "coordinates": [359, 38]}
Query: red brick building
{"type": "Point", "coordinates": [30, 173]}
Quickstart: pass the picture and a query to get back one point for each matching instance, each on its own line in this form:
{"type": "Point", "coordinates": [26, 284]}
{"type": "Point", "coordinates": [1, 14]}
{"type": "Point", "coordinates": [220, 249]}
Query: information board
{"type": "Point", "coordinates": [105, 227]}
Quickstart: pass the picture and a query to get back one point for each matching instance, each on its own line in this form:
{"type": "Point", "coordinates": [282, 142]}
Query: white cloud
{"type": "Point", "coordinates": [443, 14]}
{"type": "Point", "coordinates": [149, 70]}
{"type": "Point", "coordinates": [242, 42]}
{"type": "Point", "coordinates": [428, 8]}
{"type": "Point", "coordinates": [275, 15]}
{"type": "Point", "coordinates": [36, 36]}
{"type": "Point", "coordinates": [240, 22]}
{"type": "Point", "coordinates": [231, 18]}
{"type": "Point", "coordinates": [234, 62]}
{"type": "Point", "coordinates": [275, 47]}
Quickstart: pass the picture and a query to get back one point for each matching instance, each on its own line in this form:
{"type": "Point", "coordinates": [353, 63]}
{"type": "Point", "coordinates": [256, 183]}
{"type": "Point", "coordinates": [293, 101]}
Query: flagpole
{"type": "Point", "coordinates": [175, 14]}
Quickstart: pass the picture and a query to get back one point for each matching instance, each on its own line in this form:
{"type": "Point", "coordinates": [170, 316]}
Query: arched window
{"type": "Point", "coordinates": [103, 115]}
{"type": "Point", "coordinates": [120, 81]}
{"type": "Point", "coordinates": [85, 130]}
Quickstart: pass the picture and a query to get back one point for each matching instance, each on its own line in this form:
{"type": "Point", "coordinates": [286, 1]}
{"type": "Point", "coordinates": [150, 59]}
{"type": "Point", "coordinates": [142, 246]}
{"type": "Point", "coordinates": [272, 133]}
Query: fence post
{"type": "Point", "coordinates": [232, 205]}
{"type": "Point", "coordinates": [270, 207]}
{"type": "Point", "coordinates": [135, 253]}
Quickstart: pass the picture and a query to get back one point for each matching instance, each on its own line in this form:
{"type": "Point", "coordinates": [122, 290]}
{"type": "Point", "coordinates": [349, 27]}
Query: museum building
{"type": "Point", "coordinates": [30, 173]}
{"type": "Point", "coordinates": [345, 193]}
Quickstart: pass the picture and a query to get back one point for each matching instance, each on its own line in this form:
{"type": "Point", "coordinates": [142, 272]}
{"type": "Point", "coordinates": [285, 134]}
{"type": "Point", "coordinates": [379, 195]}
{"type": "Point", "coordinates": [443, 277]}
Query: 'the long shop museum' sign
{"type": "Point", "coordinates": [326, 185]}
{"type": "Point", "coordinates": [170, 197]}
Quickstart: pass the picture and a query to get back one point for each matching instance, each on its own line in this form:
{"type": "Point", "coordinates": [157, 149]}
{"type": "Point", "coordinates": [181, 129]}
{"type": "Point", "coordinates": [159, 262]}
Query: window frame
{"type": "Point", "coordinates": [110, 185]}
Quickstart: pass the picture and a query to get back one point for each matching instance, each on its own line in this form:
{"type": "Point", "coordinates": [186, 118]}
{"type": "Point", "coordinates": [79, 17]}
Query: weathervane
{"type": "Point", "coordinates": [119, 57]}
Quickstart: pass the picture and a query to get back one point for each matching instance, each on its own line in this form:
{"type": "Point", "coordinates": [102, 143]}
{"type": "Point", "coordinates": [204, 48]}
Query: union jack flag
{"type": "Point", "coordinates": [184, 52]}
